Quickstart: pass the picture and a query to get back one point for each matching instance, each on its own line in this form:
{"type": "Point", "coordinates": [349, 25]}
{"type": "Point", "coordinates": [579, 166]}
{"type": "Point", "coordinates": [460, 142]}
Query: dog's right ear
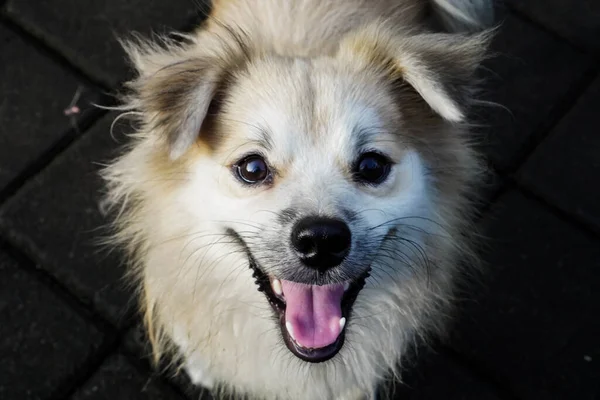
{"type": "Point", "coordinates": [177, 82]}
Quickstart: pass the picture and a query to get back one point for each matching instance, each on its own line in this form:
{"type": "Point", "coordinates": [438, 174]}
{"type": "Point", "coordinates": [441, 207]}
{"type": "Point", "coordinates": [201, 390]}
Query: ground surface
{"type": "Point", "coordinates": [66, 329]}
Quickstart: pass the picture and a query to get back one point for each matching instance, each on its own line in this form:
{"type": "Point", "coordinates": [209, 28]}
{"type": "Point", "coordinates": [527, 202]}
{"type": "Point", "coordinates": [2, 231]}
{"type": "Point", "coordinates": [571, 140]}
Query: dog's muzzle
{"type": "Point", "coordinates": [312, 318]}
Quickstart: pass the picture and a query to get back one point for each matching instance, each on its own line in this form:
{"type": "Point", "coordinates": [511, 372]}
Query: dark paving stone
{"type": "Point", "coordinates": [436, 376]}
{"type": "Point", "coordinates": [578, 21]}
{"type": "Point", "coordinates": [56, 218]}
{"type": "Point", "coordinates": [43, 342]}
{"type": "Point", "coordinates": [530, 75]}
{"type": "Point", "coordinates": [35, 92]}
{"type": "Point", "coordinates": [565, 168]}
{"type": "Point", "coordinates": [85, 31]}
{"type": "Point", "coordinates": [539, 299]}
{"type": "Point", "coordinates": [576, 368]}
{"type": "Point", "coordinates": [117, 379]}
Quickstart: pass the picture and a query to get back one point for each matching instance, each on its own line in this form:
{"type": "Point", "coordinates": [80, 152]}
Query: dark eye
{"type": "Point", "coordinates": [252, 169]}
{"type": "Point", "coordinates": [372, 168]}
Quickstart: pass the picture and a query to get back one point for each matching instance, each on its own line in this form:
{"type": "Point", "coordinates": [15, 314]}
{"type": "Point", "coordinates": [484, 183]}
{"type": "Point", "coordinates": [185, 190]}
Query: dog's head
{"type": "Point", "coordinates": [324, 176]}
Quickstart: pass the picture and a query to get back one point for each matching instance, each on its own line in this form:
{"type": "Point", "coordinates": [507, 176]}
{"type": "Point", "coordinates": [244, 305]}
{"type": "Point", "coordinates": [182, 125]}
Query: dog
{"type": "Point", "coordinates": [296, 199]}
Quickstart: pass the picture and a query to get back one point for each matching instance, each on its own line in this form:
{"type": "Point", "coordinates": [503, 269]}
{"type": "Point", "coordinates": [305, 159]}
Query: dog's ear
{"type": "Point", "coordinates": [177, 82]}
{"type": "Point", "coordinates": [439, 66]}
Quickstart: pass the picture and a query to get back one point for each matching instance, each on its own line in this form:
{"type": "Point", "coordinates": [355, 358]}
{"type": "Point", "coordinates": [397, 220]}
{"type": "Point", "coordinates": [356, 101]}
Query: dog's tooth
{"type": "Point", "coordinates": [276, 284]}
{"type": "Point", "coordinates": [346, 286]}
{"type": "Point", "coordinates": [290, 329]}
{"type": "Point", "coordinates": [342, 323]}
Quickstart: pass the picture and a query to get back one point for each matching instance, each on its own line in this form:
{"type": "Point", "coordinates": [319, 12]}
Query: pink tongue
{"type": "Point", "coordinates": [313, 312]}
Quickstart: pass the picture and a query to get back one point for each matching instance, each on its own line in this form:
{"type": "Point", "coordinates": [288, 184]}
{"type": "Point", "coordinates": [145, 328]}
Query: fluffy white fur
{"type": "Point", "coordinates": [314, 74]}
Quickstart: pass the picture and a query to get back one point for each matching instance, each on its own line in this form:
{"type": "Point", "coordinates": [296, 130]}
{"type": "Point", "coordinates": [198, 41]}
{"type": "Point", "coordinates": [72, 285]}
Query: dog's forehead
{"type": "Point", "coordinates": [296, 105]}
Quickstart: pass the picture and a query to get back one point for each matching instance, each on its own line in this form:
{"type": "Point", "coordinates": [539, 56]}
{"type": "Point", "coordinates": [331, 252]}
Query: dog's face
{"type": "Point", "coordinates": [323, 176]}
{"type": "Point", "coordinates": [310, 174]}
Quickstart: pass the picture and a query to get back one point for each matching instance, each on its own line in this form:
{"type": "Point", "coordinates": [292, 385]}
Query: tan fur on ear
{"type": "Point", "coordinates": [177, 83]}
{"type": "Point", "coordinates": [440, 67]}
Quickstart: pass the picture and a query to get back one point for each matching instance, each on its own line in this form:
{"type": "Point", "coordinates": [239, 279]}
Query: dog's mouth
{"type": "Point", "coordinates": [312, 318]}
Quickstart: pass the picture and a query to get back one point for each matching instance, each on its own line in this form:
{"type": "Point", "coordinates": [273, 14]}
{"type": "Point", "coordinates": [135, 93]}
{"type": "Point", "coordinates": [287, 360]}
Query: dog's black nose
{"type": "Point", "coordinates": [321, 243]}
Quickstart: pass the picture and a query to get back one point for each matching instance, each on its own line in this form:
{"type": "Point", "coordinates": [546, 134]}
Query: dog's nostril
{"type": "Point", "coordinates": [306, 245]}
{"type": "Point", "coordinates": [321, 243]}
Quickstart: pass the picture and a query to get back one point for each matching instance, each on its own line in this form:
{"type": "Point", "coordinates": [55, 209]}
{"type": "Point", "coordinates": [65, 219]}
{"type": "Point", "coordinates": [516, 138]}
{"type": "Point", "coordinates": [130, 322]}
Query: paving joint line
{"type": "Point", "coordinates": [566, 216]}
{"type": "Point", "coordinates": [561, 110]}
{"type": "Point", "coordinates": [76, 381]}
{"type": "Point", "coordinates": [112, 335]}
{"type": "Point", "coordinates": [46, 49]}
{"type": "Point", "coordinates": [39, 164]}
{"type": "Point", "coordinates": [512, 183]}
{"type": "Point", "coordinates": [83, 309]}
{"type": "Point", "coordinates": [524, 17]}
{"type": "Point", "coordinates": [487, 208]}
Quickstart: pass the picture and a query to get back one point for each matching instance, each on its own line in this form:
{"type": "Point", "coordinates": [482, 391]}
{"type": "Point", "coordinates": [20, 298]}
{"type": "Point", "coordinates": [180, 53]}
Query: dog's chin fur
{"type": "Point", "coordinates": [308, 86]}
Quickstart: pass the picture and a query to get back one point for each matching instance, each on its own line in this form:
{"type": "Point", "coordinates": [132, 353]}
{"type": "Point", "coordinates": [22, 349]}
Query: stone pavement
{"type": "Point", "coordinates": [66, 326]}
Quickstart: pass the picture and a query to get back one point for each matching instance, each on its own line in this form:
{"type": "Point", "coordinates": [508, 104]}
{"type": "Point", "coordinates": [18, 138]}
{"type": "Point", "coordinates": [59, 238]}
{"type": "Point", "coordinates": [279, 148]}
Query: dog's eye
{"type": "Point", "coordinates": [252, 169]}
{"type": "Point", "coordinates": [372, 168]}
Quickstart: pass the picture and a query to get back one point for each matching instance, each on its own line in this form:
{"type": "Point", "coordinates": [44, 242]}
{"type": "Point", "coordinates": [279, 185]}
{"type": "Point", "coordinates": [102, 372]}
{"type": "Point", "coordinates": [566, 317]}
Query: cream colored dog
{"type": "Point", "coordinates": [294, 201]}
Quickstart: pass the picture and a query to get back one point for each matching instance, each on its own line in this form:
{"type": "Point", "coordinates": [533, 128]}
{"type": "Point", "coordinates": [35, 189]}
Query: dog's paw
{"type": "Point", "coordinates": [198, 374]}
{"type": "Point", "coordinates": [358, 394]}
{"type": "Point", "coordinates": [194, 365]}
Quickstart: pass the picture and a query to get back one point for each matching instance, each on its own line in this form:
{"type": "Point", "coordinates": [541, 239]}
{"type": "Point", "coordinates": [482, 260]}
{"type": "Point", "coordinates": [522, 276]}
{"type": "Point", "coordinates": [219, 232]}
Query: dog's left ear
{"type": "Point", "coordinates": [439, 66]}
{"type": "Point", "coordinates": [177, 83]}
